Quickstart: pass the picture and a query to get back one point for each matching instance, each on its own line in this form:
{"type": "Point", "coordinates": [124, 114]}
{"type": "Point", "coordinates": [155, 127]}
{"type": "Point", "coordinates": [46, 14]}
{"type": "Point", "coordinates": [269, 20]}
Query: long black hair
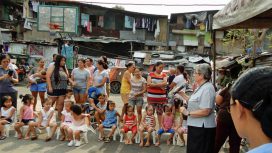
{"type": "Point", "coordinates": [101, 62]}
{"type": "Point", "coordinates": [57, 68]}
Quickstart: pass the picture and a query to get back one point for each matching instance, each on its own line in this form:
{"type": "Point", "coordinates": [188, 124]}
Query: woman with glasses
{"type": "Point", "coordinates": [200, 112]}
{"type": "Point", "coordinates": [225, 127]}
{"type": "Point", "coordinates": [251, 108]}
{"type": "Point", "coordinates": [8, 77]}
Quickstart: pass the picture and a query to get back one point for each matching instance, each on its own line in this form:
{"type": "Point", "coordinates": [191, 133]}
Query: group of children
{"type": "Point", "coordinates": [74, 121]}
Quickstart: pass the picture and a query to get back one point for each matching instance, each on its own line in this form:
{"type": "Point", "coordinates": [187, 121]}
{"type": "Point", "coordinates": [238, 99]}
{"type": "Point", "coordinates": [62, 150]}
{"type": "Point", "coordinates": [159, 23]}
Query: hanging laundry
{"type": "Point", "coordinates": [27, 25]}
{"type": "Point", "coordinates": [84, 18]}
{"type": "Point", "coordinates": [134, 27]}
{"type": "Point", "coordinates": [157, 31]}
{"type": "Point", "coordinates": [89, 27]}
{"type": "Point", "coordinates": [129, 22]}
{"type": "Point", "coordinates": [101, 21]}
{"type": "Point", "coordinates": [35, 5]}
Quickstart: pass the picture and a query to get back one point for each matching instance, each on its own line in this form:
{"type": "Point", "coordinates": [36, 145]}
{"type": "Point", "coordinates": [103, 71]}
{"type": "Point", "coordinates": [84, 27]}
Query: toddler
{"type": "Point", "coordinates": [7, 113]}
{"type": "Point", "coordinates": [109, 122]}
{"type": "Point", "coordinates": [79, 125]}
{"type": "Point", "coordinates": [167, 124]}
{"type": "Point", "coordinates": [100, 108]}
{"type": "Point", "coordinates": [26, 116]}
{"type": "Point", "coordinates": [66, 119]}
{"type": "Point", "coordinates": [46, 118]}
{"type": "Point", "coordinates": [130, 124]}
{"type": "Point", "coordinates": [148, 124]}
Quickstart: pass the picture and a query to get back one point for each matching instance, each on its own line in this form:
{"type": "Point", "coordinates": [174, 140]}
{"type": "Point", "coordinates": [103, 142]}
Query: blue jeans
{"type": "Point", "coordinates": [161, 131]}
{"type": "Point", "coordinates": [79, 91]}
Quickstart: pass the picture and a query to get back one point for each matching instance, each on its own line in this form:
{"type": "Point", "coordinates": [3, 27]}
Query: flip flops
{"type": "Point", "coordinates": [3, 137]}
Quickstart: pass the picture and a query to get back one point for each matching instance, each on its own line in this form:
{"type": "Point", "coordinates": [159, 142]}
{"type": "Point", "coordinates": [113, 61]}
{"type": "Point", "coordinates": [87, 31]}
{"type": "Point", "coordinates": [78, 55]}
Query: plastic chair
{"type": "Point", "coordinates": [153, 135]}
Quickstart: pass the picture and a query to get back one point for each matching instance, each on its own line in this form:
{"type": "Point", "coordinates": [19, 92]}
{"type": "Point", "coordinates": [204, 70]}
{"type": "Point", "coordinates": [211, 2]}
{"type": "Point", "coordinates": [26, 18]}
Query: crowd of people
{"type": "Point", "coordinates": [243, 106]}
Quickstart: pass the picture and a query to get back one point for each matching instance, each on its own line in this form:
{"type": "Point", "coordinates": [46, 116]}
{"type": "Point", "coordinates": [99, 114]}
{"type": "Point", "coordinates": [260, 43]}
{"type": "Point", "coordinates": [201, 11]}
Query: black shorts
{"type": "Point", "coordinates": [7, 119]}
{"type": "Point", "coordinates": [26, 121]}
{"type": "Point", "coordinates": [57, 92]}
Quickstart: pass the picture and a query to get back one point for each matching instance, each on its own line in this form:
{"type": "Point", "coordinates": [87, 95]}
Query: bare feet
{"type": "Point", "coordinates": [157, 144]}
{"type": "Point", "coordinates": [126, 141]}
{"type": "Point", "coordinates": [141, 144]}
{"type": "Point", "coordinates": [168, 142]}
{"type": "Point", "coordinates": [147, 144]}
{"type": "Point", "coordinates": [62, 138]}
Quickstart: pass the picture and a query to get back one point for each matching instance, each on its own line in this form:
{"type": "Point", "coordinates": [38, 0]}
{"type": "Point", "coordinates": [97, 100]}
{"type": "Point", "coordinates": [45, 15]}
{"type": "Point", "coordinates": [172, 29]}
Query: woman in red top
{"type": "Point", "coordinates": [130, 124]}
{"type": "Point", "coordinates": [156, 93]}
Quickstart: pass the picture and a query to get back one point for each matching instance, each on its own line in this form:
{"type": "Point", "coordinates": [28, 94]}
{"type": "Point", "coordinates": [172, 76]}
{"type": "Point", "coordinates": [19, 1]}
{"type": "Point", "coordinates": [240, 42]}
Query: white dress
{"type": "Point", "coordinates": [67, 118]}
{"type": "Point", "coordinates": [79, 125]}
{"type": "Point", "coordinates": [45, 116]}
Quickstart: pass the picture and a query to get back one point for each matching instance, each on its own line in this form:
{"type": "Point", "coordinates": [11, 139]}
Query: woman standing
{"type": "Point", "coordinates": [156, 89]}
{"type": "Point", "coordinates": [251, 108]}
{"type": "Point", "coordinates": [138, 88]}
{"type": "Point", "coordinates": [179, 80]}
{"type": "Point", "coordinates": [81, 77]}
{"type": "Point", "coordinates": [225, 127]}
{"type": "Point", "coordinates": [126, 86]}
{"type": "Point", "coordinates": [100, 76]}
{"type": "Point", "coordinates": [201, 116]}
{"type": "Point", "coordinates": [57, 77]}
{"type": "Point", "coordinates": [40, 86]}
{"type": "Point", "coordinates": [90, 67]}
{"type": "Point", "coordinates": [7, 78]}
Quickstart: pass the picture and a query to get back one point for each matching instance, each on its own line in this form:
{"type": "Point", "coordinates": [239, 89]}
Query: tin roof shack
{"type": "Point", "coordinates": [192, 31]}
{"type": "Point", "coordinates": [31, 51]}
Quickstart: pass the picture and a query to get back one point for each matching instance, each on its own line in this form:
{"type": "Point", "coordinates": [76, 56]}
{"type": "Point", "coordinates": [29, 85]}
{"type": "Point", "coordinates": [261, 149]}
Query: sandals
{"type": "Point", "coordinates": [34, 138]}
{"type": "Point", "coordinates": [48, 139]}
{"type": "Point", "coordinates": [3, 137]}
{"type": "Point", "coordinates": [107, 140]}
{"type": "Point", "coordinates": [26, 138]}
{"type": "Point", "coordinates": [101, 139]}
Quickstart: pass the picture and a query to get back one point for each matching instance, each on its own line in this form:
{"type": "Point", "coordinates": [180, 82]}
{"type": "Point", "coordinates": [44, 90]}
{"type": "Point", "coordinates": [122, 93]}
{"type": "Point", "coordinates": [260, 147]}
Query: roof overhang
{"type": "Point", "coordinates": [248, 14]}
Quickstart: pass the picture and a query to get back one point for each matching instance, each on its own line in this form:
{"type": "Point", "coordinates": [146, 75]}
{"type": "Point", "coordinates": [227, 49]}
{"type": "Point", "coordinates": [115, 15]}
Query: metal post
{"type": "Point", "coordinates": [214, 56]}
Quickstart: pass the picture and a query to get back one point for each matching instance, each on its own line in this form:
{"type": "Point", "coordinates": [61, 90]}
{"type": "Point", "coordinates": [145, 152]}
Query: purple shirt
{"type": "Point", "coordinates": [6, 86]}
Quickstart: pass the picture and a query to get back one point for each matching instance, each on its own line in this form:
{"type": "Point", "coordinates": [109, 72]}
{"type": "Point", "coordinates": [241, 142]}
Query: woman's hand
{"type": "Point", "coordinates": [50, 89]}
{"type": "Point", "coordinates": [184, 111]}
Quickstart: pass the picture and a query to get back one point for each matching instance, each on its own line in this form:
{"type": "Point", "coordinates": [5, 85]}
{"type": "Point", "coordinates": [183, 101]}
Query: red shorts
{"type": "Point", "coordinates": [133, 129]}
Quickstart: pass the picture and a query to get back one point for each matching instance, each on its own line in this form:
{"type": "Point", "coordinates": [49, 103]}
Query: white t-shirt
{"type": "Point", "coordinates": [179, 80]}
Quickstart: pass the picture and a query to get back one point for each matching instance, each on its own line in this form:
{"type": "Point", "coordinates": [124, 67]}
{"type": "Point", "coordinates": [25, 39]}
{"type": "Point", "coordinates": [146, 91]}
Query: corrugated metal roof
{"type": "Point", "coordinates": [99, 40]}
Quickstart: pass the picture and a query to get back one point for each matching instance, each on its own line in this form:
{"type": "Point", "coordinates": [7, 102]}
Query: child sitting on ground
{"type": "Point", "coordinates": [79, 125]}
{"type": "Point", "coordinates": [35, 80]}
{"type": "Point", "coordinates": [66, 119]}
{"type": "Point", "coordinates": [7, 113]}
{"type": "Point", "coordinates": [100, 108]}
{"type": "Point", "coordinates": [130, 124]}
{"type": "Point", "coordinates": [148, 124]}
{"type": "Point", "coordinates": [26, 117]}
{"type": "Point", "coordinates": [46, 118]}
{"type": "Point", "coordinates": [167, 124]}
{"type": "Point", "coordinates": [109, 122]}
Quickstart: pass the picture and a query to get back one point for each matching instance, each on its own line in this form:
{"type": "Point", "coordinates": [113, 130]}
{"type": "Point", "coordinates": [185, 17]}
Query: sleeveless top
{"type": "Point", "coordinates": [129, 121]}
{"type": "Point", "coordinates": [67, 116]}
{"type": "Point", "coordinates": [168, 121]}
{"type": "Point", "coordinates": [45, 115]}
{"type": "Point", "coordinates": [5, 113]}
{"type": "Point", "coordinates": [156, 95]}
{"type": "Point", "coordinates": [28, 112]}
{"type": "Point", "coordinates": [110, 117]}
{"type": "Point", "coordinates": [149, 120]}
{"type": "Point", "coordinates": [63, 80]}
{"type": "Point", "coordinates": [79, 122]}
{"type": "Point", "coordinates": [125, 86]}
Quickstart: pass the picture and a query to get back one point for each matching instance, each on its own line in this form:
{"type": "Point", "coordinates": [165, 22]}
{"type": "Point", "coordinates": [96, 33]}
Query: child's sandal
{"type": "Point", "coordinates": [34, 138]}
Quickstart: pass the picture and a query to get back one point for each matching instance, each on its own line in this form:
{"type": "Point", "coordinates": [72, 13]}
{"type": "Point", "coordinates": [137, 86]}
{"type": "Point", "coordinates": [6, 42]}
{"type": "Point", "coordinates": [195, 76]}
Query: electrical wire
{"type": "Point", "coordinates": [154, 4]}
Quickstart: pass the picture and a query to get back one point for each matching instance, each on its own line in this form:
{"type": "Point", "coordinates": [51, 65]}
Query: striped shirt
{"type": "Point", "coordinates": [150, 120]}
{"type": "Point", "coordinates": [129, 120]}
{"type": "Point", "coordinates": [156, 94]}
{"type": "Point", "coordinates": [137, 86]}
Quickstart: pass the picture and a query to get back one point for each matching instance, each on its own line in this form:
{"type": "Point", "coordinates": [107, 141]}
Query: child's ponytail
{"type": "Point", "coordinates": [26, 98]}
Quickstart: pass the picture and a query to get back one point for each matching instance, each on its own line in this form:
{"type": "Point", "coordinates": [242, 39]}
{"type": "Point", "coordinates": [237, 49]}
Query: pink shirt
{"type": "Point", "coordinates": [91, 71]}
{"type": "Point", "coordinates": [168, 121]}
{"type": "Point", "coordinates": [28, 112]}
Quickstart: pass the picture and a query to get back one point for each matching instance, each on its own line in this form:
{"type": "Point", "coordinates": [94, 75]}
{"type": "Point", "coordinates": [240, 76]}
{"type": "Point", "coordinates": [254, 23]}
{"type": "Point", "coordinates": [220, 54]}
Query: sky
{"type": "Point", "coordinates": [170, 6]}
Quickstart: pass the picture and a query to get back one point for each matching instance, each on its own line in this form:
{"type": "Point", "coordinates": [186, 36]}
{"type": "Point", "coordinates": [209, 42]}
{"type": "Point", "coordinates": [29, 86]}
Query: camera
{"type": "Point", "coordinates": [10, 72]}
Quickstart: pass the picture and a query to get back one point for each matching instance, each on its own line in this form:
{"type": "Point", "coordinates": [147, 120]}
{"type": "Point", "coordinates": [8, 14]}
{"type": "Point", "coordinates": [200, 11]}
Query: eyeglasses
{"type": "Point", "coordinates": [254, 108]}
